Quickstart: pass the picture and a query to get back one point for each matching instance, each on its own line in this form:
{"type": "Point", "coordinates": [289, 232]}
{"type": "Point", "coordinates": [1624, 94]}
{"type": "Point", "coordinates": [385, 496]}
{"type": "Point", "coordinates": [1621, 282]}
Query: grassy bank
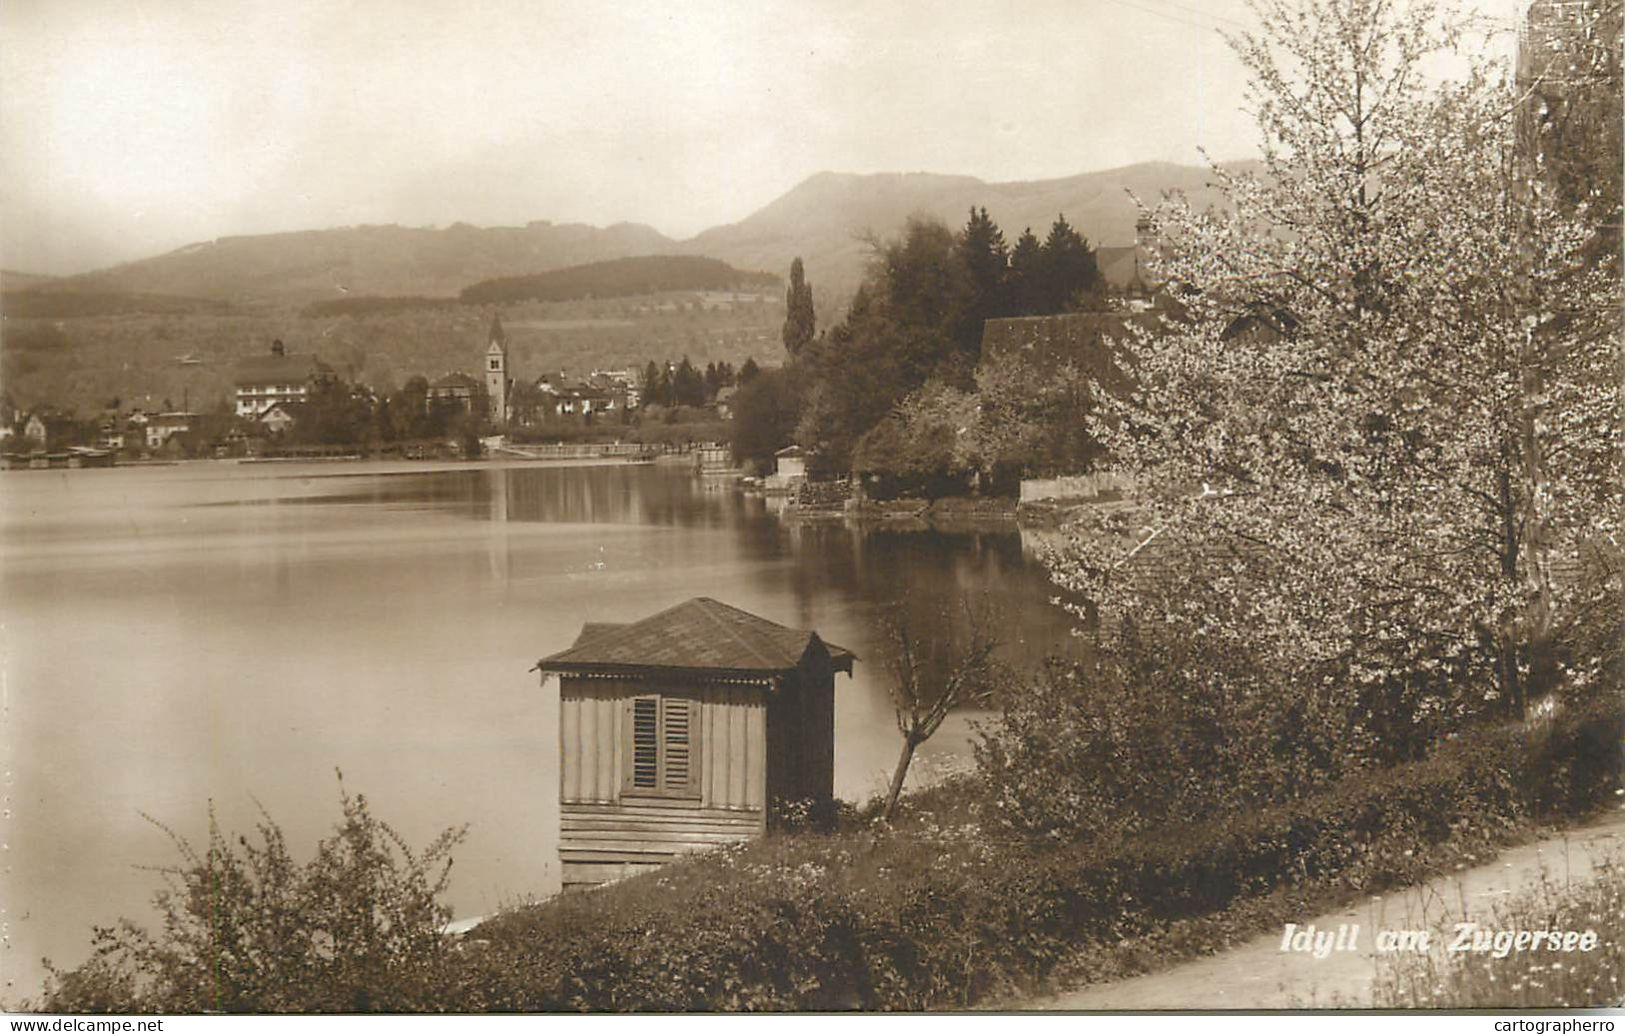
{"type": "Point", "coordinates": [937, 912]}
{"type": "Point", "coordinates": [1512, 975]}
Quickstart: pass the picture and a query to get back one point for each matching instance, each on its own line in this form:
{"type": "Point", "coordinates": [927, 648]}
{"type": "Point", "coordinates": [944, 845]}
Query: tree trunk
{"type": "Point", "coordinates": [903, 759]}
{"type": "Point", "coordinates": [1512, 688]}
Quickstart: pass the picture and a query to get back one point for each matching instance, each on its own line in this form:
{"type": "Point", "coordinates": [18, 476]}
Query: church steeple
{"type": "Point", "coordinates": [496, 371]}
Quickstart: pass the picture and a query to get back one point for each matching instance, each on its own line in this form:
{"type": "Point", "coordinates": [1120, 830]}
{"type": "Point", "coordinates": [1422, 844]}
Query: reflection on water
{"type": "Point", "coordinates": [237, 633]}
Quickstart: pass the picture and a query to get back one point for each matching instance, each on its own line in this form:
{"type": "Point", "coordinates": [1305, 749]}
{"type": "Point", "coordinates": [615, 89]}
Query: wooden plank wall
{"type": "Point", "coordinates": [630, 832]}
{"type": "Point", "coordinates": [590, 738]}
{"type": "Point", "coordinates": [733, 742]}
{"type": "Point", "coordinates": [603, 836]}
{"type": "Point", "coordinates": [601, 842]}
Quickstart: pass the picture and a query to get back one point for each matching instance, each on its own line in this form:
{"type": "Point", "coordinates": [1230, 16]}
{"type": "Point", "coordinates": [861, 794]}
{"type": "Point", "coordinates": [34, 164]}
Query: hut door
{"type": "Point", "coordinates": [664, 755]}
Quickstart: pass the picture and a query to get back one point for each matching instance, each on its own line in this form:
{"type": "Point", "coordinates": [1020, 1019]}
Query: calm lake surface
{"type": "Point", "coordinates": [234, 634]}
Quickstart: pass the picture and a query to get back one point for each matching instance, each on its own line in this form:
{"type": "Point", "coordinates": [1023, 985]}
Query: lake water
{"type": "Point", "coordinates": [234, 634]}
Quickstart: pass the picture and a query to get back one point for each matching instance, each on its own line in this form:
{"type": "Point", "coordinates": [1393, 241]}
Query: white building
{"type": "Point", "coordinates": [264, 380]}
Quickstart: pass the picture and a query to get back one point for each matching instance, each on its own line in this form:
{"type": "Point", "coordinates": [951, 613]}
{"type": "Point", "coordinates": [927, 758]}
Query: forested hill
{"type": "Point", "coordinates": [618, 278]}
{"type": "Point", "coordinates": [297, 268]}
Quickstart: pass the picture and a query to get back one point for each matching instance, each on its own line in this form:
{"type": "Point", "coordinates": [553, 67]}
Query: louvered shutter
{"type": "Point", "coordinates": [680, 761]}
{"type": "Point", "coordinates": [663, 756]}
{"type": "Point", "coordinates": [644, 763]}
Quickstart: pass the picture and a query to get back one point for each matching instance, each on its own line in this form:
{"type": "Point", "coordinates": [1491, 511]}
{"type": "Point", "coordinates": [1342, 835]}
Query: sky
{"type": "Point", "coordinates": [132, 127]}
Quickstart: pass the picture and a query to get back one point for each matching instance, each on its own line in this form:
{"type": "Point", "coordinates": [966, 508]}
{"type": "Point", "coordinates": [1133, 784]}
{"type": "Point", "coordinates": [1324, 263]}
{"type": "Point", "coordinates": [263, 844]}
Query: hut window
{"type": "Point", "coordinates": [663, 759]}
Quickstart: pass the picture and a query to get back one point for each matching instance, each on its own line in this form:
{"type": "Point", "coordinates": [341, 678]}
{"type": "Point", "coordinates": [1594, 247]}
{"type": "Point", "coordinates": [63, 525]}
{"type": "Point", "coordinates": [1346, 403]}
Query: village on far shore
{"type": "Point", "coordinates": [277, 393]}
{"type": "Point", "coordinates": [292, 404]}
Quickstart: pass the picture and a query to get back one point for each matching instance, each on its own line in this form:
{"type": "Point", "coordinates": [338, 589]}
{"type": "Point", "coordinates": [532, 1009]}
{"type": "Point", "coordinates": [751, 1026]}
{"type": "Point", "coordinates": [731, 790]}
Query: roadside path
{"type": "Point", "coordinates": [1258, 975]}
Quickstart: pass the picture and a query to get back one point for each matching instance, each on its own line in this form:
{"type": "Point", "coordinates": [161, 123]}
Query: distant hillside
{"type": "Point", "coordinates": [297, 268]}
{"type": "Point", "coordinates": [618, 278]}
{"type": "Point", "coordinates": [145, 358]}
{"type": "Point", "coordinates": [47, 302]}
{"type": "Point", "coordinates": [16, 280]}
{"type": "Point", "coordinates": [827, 218]}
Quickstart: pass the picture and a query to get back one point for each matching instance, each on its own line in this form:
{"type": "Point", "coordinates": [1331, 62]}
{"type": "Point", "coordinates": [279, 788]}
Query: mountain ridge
{"type": "Point", "coordinates": [828, 219]}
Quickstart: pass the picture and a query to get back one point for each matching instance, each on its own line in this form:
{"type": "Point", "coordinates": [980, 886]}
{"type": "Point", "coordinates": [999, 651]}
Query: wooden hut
{"type": "Point", "coordinates": [678, 732]}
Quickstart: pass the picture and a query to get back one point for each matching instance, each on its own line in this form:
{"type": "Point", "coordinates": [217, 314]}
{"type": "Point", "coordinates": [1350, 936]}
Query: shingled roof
{"type": "Point", "coordinates": [279, 369]}
{"type": "Point", "coordinates": [457, 380]}
{"type": "Point", "coordinates": [697, 635]}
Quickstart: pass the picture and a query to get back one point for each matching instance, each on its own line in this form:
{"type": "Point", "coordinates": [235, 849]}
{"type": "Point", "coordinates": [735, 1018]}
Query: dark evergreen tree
{"type": "Point", "coordinates": [799, 320]}
{"type": "Point", "coordinates": [749, 371]}
{"type": "Point", "coordinates": [1025, 275]}
{"type": "Point", "coordinates": [765, 414]}
{"type": "Point", "coordinates": [651, 384]}
{"type": "Point", "coordinates": [897, 334]}
{"type": "Point", "coordinates": [984, 263]}
{"type": "Point", "coordinates": [687, 385]}
{"type": "Point", "coordinates": [1069, 276]}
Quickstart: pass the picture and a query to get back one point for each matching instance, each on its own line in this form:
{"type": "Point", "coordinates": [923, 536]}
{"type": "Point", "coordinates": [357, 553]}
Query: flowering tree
{"type": "Point", "coordinates": [1385, 433]}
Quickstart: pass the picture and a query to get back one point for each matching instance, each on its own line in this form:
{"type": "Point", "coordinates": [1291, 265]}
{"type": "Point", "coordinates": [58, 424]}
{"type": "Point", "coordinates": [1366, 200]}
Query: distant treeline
{"type": "Point", "coordinates": [55, 305]}
{"type": "Point", "coordinates": [372, 305]}
{"type": "Point", "coordinates": [618, 278]}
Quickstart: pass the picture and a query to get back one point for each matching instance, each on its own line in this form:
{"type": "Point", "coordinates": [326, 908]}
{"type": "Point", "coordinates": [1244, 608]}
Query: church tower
{"type": "Point", "coordinates": [496, 372]}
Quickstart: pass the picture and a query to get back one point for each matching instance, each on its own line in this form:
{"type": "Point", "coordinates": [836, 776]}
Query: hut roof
{"type": "Point", "coordinates": [697, 635]}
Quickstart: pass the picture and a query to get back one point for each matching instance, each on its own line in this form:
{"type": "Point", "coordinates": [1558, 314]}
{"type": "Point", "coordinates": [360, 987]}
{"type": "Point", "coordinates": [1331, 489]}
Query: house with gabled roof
{"type": "Point", "coordinates": [263, 380]}
{"type": "Point", "coordinates": [456, 388]}
{"type": "Point", "coordinates": [682, 731]}
{"type": "Point", "coordinates": [280, 417]}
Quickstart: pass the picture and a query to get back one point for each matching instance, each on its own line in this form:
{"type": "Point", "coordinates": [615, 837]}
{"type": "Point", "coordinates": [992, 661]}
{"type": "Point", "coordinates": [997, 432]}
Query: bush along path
{"type": "Point", "coordinates": [1345, 973]}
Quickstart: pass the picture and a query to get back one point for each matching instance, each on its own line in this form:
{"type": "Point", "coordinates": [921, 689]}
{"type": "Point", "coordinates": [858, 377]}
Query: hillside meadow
{"type": "Point", "coordinates": [84, 363]}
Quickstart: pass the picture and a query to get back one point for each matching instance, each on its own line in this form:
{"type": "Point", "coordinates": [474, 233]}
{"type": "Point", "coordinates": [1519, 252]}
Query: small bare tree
{"type": "Point", "coordinates": [932, 675]}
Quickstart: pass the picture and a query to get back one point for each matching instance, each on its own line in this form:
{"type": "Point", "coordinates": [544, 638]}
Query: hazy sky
{"type": "Point", "coordinates": [129, 127]}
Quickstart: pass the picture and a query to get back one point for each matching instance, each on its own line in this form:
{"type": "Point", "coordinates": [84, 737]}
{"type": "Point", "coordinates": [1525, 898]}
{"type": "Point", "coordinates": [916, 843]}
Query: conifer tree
{"type": "Point", "coordinates": [799, 321]}
{"type": "Point", "coordinates": [1025, 276]}
{"type": "Point", "coordinates": [1069, 277]}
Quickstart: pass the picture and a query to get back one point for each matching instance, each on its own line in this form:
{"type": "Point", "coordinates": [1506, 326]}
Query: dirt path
{"type": "Point", "coordinates": [1259, 975]}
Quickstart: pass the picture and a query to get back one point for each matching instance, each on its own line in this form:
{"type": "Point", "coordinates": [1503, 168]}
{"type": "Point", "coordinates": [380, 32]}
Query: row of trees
{"type": "Point", "coordinates": [686, 385]}
{"type": "Point", "coordinates": [911, 335]}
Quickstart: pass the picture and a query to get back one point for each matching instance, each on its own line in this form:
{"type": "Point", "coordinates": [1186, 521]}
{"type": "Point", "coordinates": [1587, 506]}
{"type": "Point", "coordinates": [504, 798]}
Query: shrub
{"type": "Point", "coordinates": [1146, 731]}
{"type": "Point", "coordinates": [246, 929]}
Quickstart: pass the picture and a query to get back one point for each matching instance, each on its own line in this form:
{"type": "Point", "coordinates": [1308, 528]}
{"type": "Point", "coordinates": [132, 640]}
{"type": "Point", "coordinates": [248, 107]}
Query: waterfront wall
{"type": "Point", "coordinates": [1077, 486]}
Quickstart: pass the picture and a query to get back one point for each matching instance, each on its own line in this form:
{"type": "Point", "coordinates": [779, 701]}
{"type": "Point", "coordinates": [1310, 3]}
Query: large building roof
{"type": "Point", "coordinates": [457, 380]}
{"type": "Point", "coordinates": [279, 369]}
{"type": "Point", "coordinates": [697, 635]}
